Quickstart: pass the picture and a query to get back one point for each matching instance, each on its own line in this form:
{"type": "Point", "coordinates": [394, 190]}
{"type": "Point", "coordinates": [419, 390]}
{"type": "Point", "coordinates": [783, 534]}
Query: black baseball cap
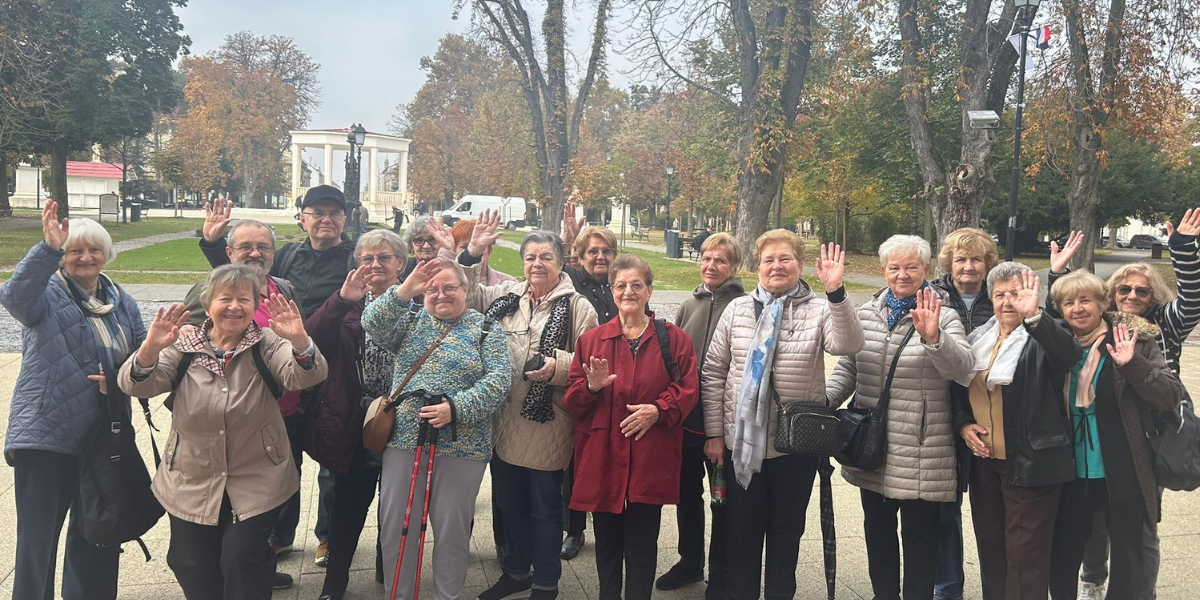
{"type": "Point", "coordinates": [322, 192]}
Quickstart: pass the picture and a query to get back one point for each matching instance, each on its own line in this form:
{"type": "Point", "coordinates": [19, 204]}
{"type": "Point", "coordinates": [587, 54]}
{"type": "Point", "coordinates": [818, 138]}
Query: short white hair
{"type": "Point", "coordinates": [87, 231]}
{"type": "Point", "coordinates": [904, 244]}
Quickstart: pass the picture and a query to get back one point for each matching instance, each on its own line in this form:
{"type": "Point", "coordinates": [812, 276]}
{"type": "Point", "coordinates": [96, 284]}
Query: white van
{"type": "Point", "coordinates": [511, 209]}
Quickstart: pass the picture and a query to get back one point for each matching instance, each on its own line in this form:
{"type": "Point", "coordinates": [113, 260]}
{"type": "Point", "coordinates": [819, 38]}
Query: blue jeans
{"type": "Point", "coordinates": [531, 502]}
{"type": "Point", "coordinates": [948, 584]}
{"type": "Point", "coordinates": [284, 532]}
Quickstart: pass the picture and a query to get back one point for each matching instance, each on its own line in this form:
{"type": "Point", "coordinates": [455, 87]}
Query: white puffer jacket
{"type": "Point", "coordinates": [811, 326]}
{"type": "Point", "coordinates": [920, 462]}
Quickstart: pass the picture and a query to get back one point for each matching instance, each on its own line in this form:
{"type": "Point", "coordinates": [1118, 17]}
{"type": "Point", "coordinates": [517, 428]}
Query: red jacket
{"type": "Point", "coordinates": [609, 467]}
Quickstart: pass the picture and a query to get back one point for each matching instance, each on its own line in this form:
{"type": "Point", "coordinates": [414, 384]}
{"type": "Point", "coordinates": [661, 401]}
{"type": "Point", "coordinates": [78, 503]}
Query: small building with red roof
{"type": "Point", "coordinates": [86, 181]}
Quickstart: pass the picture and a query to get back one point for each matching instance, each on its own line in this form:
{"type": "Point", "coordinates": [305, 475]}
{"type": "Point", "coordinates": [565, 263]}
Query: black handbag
{"type": "Point", "coordinates": [1175, 438]}
{"type": "Point", "coordinates": [865, 429]}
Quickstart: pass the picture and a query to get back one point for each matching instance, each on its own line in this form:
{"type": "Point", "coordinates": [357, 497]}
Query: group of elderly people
{"type": "Point", "coordinates": [1036, 411]}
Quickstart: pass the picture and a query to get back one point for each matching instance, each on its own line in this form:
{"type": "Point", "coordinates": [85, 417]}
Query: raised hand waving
{"type": "Point", "coordinates": [927, 316]}
{"type": "Point", "coordinates": [1060, 258]}
{"type": "Point", "coordinates": [831, 267]}
{"type": "Point", "coordinates": [485, 233]}
{"type": "Point", "coordinates": [54, 232]}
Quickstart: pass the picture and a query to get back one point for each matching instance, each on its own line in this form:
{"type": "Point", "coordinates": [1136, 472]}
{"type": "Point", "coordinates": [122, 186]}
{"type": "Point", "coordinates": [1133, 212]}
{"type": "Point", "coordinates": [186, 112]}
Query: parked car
{"type": "Point", "coordinates": [512, 210]}
{"type": "Point", "coordinates": [1122, 242]}
{"type": "Point", "coordinates": [1144, 241]}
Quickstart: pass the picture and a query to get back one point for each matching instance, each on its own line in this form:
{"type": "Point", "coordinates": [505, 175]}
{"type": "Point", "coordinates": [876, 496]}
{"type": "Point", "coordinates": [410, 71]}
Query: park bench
{"type": "Point", "coordinates": [642, 233]}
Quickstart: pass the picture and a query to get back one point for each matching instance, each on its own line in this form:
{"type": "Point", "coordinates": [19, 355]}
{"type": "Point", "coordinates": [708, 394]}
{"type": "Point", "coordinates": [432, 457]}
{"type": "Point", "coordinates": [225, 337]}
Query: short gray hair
{"type": "Point", "coordinates": [905, 244]}
{"type": "Point", "coordinates": [1006, 271]}
{"type": "Point", "coordinates": [416, 227]}
{"type": "Point", "coordinates": [233, 276]}
{"type": "Point", "coordinates": [541, 236]}
{"type": "Point", "coordinates": [248, 223]}
{"type": "Point", "coordinates": [452, 265]}
{"type": "Point", "coordinates": [83, 231]}
{"type": "Point", "coordinates": [382, 237]}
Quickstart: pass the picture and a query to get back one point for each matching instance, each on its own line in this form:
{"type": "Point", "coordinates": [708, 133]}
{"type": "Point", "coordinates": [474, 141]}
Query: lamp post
{"type": "Point", "coordinates": [1025, 11]}
{"type": "Point", "coordinates": [357, 137]}
{"type": "Point", "coordinates": [670, 176]}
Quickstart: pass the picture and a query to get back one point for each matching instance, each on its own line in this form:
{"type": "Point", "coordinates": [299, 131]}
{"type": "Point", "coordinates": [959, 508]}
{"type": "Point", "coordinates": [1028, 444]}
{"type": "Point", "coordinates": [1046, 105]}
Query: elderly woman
{"type": "Point", "coordinates": [770, 347]}
{"type": "Point", "coordinates": [78, 326]}
{"type": "Point", "coordinates": [1138, 289]}
{"type": "Point", "coordinates": [1011, 414]}
{"type": "Point", "coordinates": [629, 405]}
{"type": "Point", "coordinates": [467, 366]}
{"type": "Point", "coordinates": [360, 369]}
{"type": "Point", "coordinates": [905, 326]}
{"type": "Point", "coordinates": [720, 256]}
{"type": "Point", "coordinates": [1122, 372]}
{"type": "Point", "coordinates": [226, 468]}
{"type": "Point", "coordinates": [543, 318]}
{"type": "Point", "coordinates": [421, 241]}
{"type": "Point", "coordinates": [966, 257]}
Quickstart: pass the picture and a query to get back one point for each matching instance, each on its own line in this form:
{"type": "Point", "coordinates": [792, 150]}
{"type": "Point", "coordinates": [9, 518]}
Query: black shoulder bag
{"type": "Point", "coordinates": [803, 427]}
{"type": "Point", "coordinates": [865, 429]}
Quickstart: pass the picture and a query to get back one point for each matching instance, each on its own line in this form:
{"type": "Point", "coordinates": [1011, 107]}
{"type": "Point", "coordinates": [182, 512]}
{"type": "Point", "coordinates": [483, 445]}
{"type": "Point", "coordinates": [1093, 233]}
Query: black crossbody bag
{"type": "Point", "coordinates": [865, 429]}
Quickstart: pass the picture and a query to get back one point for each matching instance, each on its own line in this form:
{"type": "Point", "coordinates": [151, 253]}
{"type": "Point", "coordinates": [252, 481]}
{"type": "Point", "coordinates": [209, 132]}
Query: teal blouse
{"type": "Point", "coordinates": [1088, 462]}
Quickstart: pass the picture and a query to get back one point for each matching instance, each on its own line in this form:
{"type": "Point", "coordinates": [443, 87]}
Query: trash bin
{"type": "Point", "coordinates": [671, 236]}
{"type": "Point", "coordinates": [135, 212]}
{"type": "Point", "coordinates": [1156, 250]}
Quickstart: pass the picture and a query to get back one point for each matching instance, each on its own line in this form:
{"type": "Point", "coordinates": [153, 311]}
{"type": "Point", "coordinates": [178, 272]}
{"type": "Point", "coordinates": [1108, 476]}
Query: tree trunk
{"type": "Point", "coordinates": [1083, 197]}
{"type": "Point", "coordinates": [58, 176]}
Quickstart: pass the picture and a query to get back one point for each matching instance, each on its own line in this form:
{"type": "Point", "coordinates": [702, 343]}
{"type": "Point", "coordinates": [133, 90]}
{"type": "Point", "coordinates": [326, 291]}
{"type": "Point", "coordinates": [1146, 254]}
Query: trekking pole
{"type": "Point", "coordinates": [433, 436]}
{"type": "Point", "coordinates": [412, 489]}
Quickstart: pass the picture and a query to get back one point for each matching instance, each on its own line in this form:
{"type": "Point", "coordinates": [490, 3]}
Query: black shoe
{"type": "Point", "coordinates": [328, 597]}
{"type": "Point", "coordinates": [508, 589]}
{"type": "Point", "coordinates": [677, 577]}
{"type": "Point", "coordinates": [714, 591]}
{"type": "Point", "coordinates": [571, 546]}
{"type": "Point", "coordinates": [544, 594]}
{"type": "Point", "coordinates": [281, 581]}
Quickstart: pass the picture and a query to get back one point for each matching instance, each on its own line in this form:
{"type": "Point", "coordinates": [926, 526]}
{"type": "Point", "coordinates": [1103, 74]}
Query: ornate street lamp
{"type": "Point", "coordinates": [357, 137]}
{"type": "Point", "coordinates": [1025, 11]}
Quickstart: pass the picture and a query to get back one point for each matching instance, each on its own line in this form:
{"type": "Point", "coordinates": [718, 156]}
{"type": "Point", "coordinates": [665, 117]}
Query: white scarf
{"type": "Point", "coordinates": [983, 343]}
{"type": "Point", "coordinates": [754, 402]}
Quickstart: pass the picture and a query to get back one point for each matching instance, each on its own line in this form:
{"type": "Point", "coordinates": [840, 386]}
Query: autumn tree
{"type": "Point", "coordinates": [764, 47]}
{"type": "Point", "coordinates": [541, 62]}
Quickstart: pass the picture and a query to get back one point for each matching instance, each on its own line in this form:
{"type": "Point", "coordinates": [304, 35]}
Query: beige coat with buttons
{"type": "Point", "coordinates": [227, 434]}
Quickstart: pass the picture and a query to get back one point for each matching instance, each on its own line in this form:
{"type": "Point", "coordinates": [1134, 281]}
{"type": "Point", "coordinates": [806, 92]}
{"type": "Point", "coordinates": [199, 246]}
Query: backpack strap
{"type": "Point", "coordinates": [181, 370]}
{"type": "Point", "coordinates": [664, 344]}
{"type": "Point", "coordinates": [287, 255]}
{"type": "Point", "coordinates": [265, 373]}
{"type": "Point", "coordinates": [145, 402]}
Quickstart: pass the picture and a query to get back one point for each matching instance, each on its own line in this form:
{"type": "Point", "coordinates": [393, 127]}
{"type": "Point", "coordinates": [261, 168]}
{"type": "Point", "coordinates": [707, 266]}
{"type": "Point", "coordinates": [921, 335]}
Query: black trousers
{"type": "Point", "coordinates": [689, 516]}
{"type": "Point", "coordinates": [574, 521]}
{"type": "Point", "coordinates": [629, 540]}
{"type": "Point", "coordinates": [921, 521]}
{"type": "Point", "coordinates": [1125, 518]}
{"type": "Point", "coordinates": [773, 510]}
{"type": "Point", "coordinates": [46, 486]}
{"type": "Point", "coordinates": [353, 494]}
{"type": "Point", "coordinates": [225, 561]}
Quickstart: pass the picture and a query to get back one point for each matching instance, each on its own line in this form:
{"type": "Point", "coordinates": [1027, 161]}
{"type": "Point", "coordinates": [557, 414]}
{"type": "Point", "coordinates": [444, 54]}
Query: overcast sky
{"type": "Point", "coordinates": [369, 50]}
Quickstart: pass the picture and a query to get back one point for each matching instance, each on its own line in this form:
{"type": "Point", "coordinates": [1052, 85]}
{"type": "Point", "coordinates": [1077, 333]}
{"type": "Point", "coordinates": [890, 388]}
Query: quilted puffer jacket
{"type": "Point", "coordinates": [920, 462]}
{"type": "Point", "coordinates": [811, 326]}
{"type": "Point", "coordinates": [54, 405]}
{"type": "Point", "coordinates": [519, 441]}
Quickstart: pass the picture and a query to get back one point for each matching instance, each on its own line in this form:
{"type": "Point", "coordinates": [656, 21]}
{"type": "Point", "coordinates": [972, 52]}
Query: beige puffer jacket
{"type": "Point", "coordinates": [920, 462]}
{"type": "Point", "coordinates": [810, 327]}
{"type": "Point", "coordinates": [541, 446]}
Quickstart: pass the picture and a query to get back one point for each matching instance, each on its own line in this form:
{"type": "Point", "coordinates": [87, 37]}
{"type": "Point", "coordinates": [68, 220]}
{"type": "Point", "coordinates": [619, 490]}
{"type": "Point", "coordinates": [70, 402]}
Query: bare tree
{"type": "Point", "coordinates": [542, 65]}
{"type": "Point", "coordinates": [986, 60]}
{"type": "Point", "coordinates": [772, 43]}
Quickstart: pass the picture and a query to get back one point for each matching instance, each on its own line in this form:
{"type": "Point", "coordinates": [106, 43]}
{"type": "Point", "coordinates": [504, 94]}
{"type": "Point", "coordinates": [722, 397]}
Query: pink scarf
{"type": "Point", "coordinates": [1085, 394]}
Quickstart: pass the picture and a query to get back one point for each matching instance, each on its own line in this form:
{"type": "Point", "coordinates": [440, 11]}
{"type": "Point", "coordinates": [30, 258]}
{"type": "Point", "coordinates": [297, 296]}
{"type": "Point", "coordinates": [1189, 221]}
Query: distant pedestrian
{"type": "Point", "coordinates": [397, 218]}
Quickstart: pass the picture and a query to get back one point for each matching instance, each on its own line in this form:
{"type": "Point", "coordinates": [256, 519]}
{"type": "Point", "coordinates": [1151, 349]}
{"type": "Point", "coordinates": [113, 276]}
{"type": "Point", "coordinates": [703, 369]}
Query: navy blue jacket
{"type": "Point", "coordinates": [54, 405]}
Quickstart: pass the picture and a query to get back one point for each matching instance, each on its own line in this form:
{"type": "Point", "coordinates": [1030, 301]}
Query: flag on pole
{"type": "Point", "coordinates": [1041, 36]}
{"type": "Point", "coordinates": [1015, 40]}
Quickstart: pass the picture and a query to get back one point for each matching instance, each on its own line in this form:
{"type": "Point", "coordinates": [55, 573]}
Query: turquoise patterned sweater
{"type": "Point", "coordinates": [475, 376]}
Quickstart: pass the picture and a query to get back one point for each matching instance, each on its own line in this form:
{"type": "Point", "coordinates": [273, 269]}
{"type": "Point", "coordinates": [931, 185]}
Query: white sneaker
{"type": "Point", "coordinates": [1090, 591]}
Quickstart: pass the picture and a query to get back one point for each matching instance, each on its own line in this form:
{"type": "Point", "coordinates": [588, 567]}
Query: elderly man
{"type": "Point", "coordinates": [316, 269]}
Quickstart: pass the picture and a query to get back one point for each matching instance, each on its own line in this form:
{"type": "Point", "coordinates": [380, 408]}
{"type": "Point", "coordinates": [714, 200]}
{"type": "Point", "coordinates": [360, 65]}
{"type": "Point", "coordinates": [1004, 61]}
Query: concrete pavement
{"type": "Point", "coordinates": [153, 580]}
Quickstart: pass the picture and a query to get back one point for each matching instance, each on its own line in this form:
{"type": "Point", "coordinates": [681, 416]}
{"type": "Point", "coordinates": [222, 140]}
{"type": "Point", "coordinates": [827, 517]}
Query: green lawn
{"type": "Point", "coordinates": [175, 255]}
{"type": "Point", "coordinates": [16, 242]}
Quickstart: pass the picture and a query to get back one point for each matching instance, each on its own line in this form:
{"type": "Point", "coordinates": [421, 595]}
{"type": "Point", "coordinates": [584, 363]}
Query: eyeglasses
{"type": "Point", "coordinates": [317, 215]}
{"type": "Point", "coordinates": [248, 248]}
{"type": "Point", "coordinates": [443, 291]}
{"type": "Point", "coordinates": [1142, 292]}
{"type": "Point", "coordinates": [635, 287]}
{"type": "Point", "coordinates": [594, 252]}
{"type": "Point", "coordinates": [424, 241]}
{"type": "Point", "coordinates": [382, 259]}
